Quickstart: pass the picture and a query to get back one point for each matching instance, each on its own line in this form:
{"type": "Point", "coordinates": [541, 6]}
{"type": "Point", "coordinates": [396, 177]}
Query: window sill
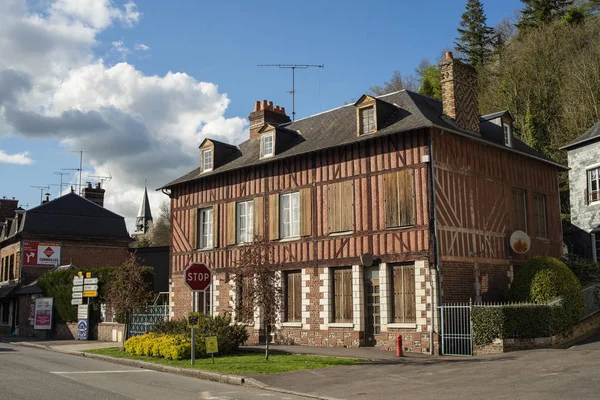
{"type": "Point", "coordinates": [399, 228]}
{"type": "Point", "coordinates": [289, 239]}
{"type": "Point", "coordinates": [206, 170]}
{"type": "Point", "coordinates": [291, 324]}
{"type": "Point", "coordinates": [401, 326]}
{"type": "Point", "coordinates": [267, 156]}
{"type": "Point", "coordinates": [341, 233]}
{"type": "Point", "coordinates": [340, 325]}
{"type": "Point", "coordinates": [594, 203]}
{"type": "Point", "coordinates": [205, 249]}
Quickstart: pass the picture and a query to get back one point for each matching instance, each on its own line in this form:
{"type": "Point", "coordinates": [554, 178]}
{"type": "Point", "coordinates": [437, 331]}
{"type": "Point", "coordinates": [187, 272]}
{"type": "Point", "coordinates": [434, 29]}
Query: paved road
{"type": "Point", "coordinates": [27, 373]}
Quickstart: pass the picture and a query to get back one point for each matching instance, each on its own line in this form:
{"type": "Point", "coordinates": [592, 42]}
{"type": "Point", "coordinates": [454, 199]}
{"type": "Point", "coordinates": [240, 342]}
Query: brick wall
{"type": "Point", "coordinates": [458, 282]}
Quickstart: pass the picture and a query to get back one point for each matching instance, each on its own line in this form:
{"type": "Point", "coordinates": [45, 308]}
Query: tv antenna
{"type": "Point", "coordinates": [80, 169]}
{"type": "Point", "coordinates": [102, 178]}
{"type": "Point", "coordinates": [41, 188]}
{"type": "Point", "coordinates": [293, 67]}
{"type": "Point", "coordinates": [61, 180]}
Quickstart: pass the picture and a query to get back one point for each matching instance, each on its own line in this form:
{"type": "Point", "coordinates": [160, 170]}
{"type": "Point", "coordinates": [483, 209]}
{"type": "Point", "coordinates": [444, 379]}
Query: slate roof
{"type": "Point", "coordinates": [72, 216]}
{"type": "Point", "coordinates": [337, 127]}
{"type": "Point", "coordinates": [495, 115]}
{"type": "Point", "coordinates": [591, 134]}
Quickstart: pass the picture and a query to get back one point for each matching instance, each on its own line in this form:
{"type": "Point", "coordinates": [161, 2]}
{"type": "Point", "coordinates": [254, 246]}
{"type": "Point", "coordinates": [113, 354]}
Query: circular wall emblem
{"type": "Point", "coordinates": [520, 242]}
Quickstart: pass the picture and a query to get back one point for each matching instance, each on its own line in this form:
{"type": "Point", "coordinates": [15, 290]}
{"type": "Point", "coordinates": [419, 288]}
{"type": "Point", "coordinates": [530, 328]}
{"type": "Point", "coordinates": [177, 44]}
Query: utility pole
{"type": "Point", "coordinates": [41, 188]}
{"type": "Point", "coordinates": [80, 169]}
{"type": "Point", "coordinates": [293, 67]}
{"type": "Point", "coordinates": [61, 180]}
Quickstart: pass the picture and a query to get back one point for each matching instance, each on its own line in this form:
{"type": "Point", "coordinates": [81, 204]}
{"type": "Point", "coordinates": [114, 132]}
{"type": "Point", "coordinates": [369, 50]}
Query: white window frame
{"type": "Point", "coordinates": [361, 118]}
{"type": "Point", "coordinates": [588, 178]}
{"type": "Point", "coordinates": [289, 215]}
{"type": "Point", "coordinates": [205, 228]}
{"type": "Point", "coordinates": [263, 153]}
{"type": "Point", "coordinates": [204, 158]}
{"type": "Point", "coordinates": [506, 128]}
{"type": "Point", "coordinates": [244, 221]}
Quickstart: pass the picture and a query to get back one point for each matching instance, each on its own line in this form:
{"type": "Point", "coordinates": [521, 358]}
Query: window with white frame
{"type": "Point", "coordinates": [593, 187]}
{"type": "Point", "coordinates": [266, 145]}
{"type": "Point", "coordinates": [367, 120]}
{"type": "Point", "coordinates": [203, 301]}
{"type": "Point", "coordinates": [205, 222]}
{"type": "Point", "coordinates": [506, 134]}
{"type": "Point", "coordinates": [245, 221]}
{"type": "Point", "coordinates": [289, 215]}
{"type": "Point", "coordinates": [207, 160]}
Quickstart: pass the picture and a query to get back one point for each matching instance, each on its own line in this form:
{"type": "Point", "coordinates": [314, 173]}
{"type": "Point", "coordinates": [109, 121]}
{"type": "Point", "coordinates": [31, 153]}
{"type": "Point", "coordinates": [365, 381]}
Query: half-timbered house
{"type": "Point", "coordinates": [378, 210]}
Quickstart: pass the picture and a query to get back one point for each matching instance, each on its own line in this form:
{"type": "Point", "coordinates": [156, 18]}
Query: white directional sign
{"type": "Point", "coordinates": [91, 281]}
{"type": "Point", "coordinates": [78, 280]}
{"type": "Point", "coordinates": [77, 288]}
{"type": "Point", "coordinates": [76, 302]}
{"type": "Point", "coordinates": [90, 287]}
{"type": "Point", "coordinates": [82, 311]}
{"type": "Point", "coordinates": [77, 295]}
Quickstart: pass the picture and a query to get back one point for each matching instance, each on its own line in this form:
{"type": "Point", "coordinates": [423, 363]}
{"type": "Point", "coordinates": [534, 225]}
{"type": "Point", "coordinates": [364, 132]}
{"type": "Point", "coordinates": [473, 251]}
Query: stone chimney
{"type": "Point", "coordinates": [266, 113]}
{"type": "Point", "coordinates": [459, 93]}
{"type": "Point", "coordinates": [94, 194]}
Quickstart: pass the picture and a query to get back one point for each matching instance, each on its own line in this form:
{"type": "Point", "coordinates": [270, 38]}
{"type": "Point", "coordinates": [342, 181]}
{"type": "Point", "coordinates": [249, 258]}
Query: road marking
{"type": "Point", "coordinates": [100, 372]}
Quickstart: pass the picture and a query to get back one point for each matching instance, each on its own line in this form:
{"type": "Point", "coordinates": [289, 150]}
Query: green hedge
{"type": "Point", "coordinates": [507, 321]}
{"type": "Point", "coordinates": [173, 347]}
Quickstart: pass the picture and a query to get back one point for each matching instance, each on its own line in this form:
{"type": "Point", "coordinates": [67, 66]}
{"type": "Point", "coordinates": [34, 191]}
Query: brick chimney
{"type": "Point", "coordinates": [94, 194]}
{"type": "Point", "coordinates": [265, 113]}
{"type": "Point", "coordinates": [459, 93]}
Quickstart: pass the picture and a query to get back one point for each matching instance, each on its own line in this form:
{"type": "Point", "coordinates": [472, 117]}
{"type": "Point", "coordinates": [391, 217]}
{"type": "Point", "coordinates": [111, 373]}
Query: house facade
{"type": "Point", "coordinates": [584, 183]}
{"type": "Point", "coordinates": [378, 211]}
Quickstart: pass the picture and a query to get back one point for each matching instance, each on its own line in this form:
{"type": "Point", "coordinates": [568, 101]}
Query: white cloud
{"type": "Point", "coordinates": [135, 126]}
{"type": "Point", "coordinates": [17, 158]}
{"type": "Point", "coordinates": [142, 47]}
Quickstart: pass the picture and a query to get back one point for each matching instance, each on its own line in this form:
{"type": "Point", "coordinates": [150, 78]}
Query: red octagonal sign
{"type": "Point", "coordinates": [197, 276]}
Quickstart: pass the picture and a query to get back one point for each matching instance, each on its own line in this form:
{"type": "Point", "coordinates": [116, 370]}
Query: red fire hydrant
{"type": "Point", "coordinates": [399, 352]}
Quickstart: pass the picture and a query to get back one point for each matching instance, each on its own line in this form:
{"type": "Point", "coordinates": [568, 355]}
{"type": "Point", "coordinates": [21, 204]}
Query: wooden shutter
{"type": "Point", "coordinates": [231, 223]}
{"type": "Point", "coordinates": [347, 209]}
{"type": "Point", "coordinates": [194, 228]}
{"type": "Point", "coordinates": [215, 231]}
{"type": "Point", "coordinates": [274, 216]}
{"type": "Point", "coordinates": [305, 212]}
{"type": "Point", "coordinates": [294, 297]}
{"type": "Point", "coordinates": [342, 281]}
{"type": "Point", "coordinates": [404, 294]}
{"type": "Point", "coordinates": [340, 200]}
{"type": "Point", "coordinates": [333, 205]}
{"type": "Point", "coordinates": [259, 216]}
{"type": "Point", "coordinates": [399, 198]}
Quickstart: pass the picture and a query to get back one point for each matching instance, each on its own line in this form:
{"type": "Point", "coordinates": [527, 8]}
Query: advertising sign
{"type": "Point", "coordinates": [43, 313]}
{"type": "Point", "coordinates": [41, 254]}
{"type": "Point", "coordinates": [82, 329]}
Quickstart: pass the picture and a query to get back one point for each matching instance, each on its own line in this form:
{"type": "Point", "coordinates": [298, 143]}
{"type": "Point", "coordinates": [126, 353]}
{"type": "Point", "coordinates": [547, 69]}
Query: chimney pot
{"type": "Point", "coordinates": [89, 185]}
{"type": "Point", "coordinates": [449, 55]}
{"type": "Point", "coordinates": [257, 106]}
{"type": "Point", "coordinates": [263, 105]}
{"type": "Point", "coordinates": [283, 110]}
{"type": "Point", "coordinates": [270, 105]}
{"type": "Point", "coordinates": [98, 185]}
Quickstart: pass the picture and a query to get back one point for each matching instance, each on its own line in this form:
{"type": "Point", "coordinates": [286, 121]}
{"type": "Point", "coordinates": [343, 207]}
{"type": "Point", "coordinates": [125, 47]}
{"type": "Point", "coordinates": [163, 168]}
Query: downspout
{"type": "Point", "coordinates": [436, 266]}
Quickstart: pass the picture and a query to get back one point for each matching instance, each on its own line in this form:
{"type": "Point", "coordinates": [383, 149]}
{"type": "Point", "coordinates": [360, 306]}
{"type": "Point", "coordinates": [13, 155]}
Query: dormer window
{"type": "Point", "coordinates": [207, 160]}
{"type": "Point", "coordinates": [367, 120]}
{"type": "Point", "coordinates": [507, 128]}
{"type": "Point", "coordinates": [267, 148]}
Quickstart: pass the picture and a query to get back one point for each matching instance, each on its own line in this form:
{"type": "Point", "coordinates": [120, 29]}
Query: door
{"type": "Point", "coordinates": [373, 305]}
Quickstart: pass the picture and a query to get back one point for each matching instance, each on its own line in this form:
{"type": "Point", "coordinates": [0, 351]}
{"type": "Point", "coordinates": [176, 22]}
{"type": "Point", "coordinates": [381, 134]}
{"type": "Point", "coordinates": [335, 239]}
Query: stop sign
{"type": "Point", "coordinates": [197, 276]}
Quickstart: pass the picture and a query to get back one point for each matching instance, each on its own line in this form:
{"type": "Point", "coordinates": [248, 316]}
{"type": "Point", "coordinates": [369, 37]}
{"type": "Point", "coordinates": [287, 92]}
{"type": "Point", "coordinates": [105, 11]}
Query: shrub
{"type": "Point", "coordinates": [174, 347]}
{"type": "Point", "coordinates": [507, 321]}
{"type": "Point", "coordinates": [587, 271]}
{"type": "Point", "coordinates": [545, 279]}
{"type": "Point", "coordinates": [174, 326]}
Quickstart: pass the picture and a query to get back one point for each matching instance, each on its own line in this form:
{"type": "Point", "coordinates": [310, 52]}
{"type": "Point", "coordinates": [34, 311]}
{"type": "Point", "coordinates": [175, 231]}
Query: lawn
{"type": "Point", "coordinates": [244, 363]}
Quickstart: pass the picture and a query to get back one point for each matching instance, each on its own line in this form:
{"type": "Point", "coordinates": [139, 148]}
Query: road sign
{"type": "Point", "coordinates": [82, 329]}
{"type": "Point", "coordinates": [90, 293]}
{"type": "Point", "coordinates": [83, 311]}
{"type": "Point", "coordinates": [78, 280]}
{"type": "Point", "coordinates": [197, 276]}
{"type": "Point", "coordinates": [76, 302]}
{"type": "Point", "coordinates": [91, 281]}
{"type": "Point", "coordinates": [211, 344]}
{"type": "Point", "coordinates": [77, 288]}
{"type": "Point", "coordinates": [77, 295]}
{"type": "Point", "coordinates": [90, 287]}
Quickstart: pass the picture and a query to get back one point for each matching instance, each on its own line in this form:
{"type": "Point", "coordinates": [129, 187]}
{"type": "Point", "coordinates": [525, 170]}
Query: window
{"type": "Point", "coordinates": [4, 313]}
{"type": "Point", "coordinates": [206, 228]}
{"type": "Point", "coordinates": [11, 268]}
{"type": "Point", "coordinates": [293, 296]}
{"type": "Point", "coordinates": [506, 128]}
{"type": "Point", "coordinates": [245, 221]}
{"type": "Point", "coordinates": [245, 310]}
{"type": "Point", "coordinates": [207, 160]}
{"type": "Point", "coordinates": [403, 290]}
{"type": "Point", "coordinates": [106, 314]}
{"type": "Point", "coordinates": [203, 303]}
{"type": "Point", "coordinates": [399, 199]}
{"type": "Point", "coordinates": [367, 120]}
{"type": "Point", "coordinates": [340, 204]}
{"type": "Point", "coordinates": [519, 198]}
{"type": "Point", "coordinates": [539, 215]}
{"type": "Point", "coordinates": [342, 295]}
{"type": "Point", "coordinates": [266, 144]}
{"type": "Point", "coordinates": [290, 215]}
{"type": "Point", "coordinates": [593, 186]}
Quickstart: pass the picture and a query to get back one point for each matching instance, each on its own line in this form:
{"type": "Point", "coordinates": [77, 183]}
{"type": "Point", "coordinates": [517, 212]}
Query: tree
{"type": "Point", "coordinates": [259, 278]}
{"type": "Point", "coordinates": [396, 83]}
{"type": "Point", "coordinates": [538, 13]}
{"type": "Point", "coordinates": [476, 38]}
{"type": "Point", "coordinates": [161, 231]}
{"type": "Point", "coordinates": [130, 289]}
{"type": "Point", "coordinates": [429, 76]}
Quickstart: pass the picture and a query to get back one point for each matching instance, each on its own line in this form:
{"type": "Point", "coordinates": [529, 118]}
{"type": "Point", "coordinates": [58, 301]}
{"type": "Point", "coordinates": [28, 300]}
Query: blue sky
{"type": "Point", "coordinates": [360, 44]}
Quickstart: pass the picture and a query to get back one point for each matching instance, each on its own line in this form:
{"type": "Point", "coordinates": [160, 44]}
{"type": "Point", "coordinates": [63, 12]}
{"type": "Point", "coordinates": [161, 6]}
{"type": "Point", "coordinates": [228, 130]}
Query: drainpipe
{"type": "Point", "coordinates": [436, 266]}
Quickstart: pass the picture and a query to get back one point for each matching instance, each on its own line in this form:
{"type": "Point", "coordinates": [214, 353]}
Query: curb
{"type": "Point", "coordinates": [205, 375]}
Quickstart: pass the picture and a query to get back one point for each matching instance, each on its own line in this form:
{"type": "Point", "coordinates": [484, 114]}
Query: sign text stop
{"type": "Point", "coordinates": [197, 276]}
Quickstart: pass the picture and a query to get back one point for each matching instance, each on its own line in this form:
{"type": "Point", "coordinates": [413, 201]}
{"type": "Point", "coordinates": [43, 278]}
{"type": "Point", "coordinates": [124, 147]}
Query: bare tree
{"type": "Point", "coordinates": [258, 281]}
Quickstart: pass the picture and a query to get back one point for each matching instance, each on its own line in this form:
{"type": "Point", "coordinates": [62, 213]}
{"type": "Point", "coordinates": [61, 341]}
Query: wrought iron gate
{"type": "Point", "coordinates": [142, 323]}
{"type": "Point", "coordinates": [457, 329]}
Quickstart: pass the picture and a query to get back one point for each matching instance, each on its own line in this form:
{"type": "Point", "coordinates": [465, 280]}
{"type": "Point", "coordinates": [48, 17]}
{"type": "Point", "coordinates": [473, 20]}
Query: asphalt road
{"type": "Point", "coordinates": [28, 373]}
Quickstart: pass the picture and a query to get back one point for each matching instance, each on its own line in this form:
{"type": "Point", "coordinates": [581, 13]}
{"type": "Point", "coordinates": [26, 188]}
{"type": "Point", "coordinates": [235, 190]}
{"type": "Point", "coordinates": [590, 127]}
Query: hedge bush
{"type": "Point", "coordinates": [545, 279]}
{"type": "Point", "coordinates": [172, 347]}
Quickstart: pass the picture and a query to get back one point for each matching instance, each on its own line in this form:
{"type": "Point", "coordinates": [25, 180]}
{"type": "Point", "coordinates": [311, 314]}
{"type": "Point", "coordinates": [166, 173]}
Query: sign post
{"type": "Point", "coordinates": [197, 278]}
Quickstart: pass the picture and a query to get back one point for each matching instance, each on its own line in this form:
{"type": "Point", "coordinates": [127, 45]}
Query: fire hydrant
{"type": "Point", "coordinates": [399, 352]}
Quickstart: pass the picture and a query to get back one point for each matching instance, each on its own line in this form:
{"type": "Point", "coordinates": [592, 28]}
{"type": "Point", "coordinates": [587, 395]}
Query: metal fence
{"type": "Point", "coordinates": [142, 323]}
{"type": "Point", "coordinates": [456, 329]}
{"type": "Point", "coordinates": [591, 298]}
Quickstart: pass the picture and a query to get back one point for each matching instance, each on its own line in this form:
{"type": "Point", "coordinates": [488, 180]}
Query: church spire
{"type": "Point", "coordinates": [143, 222]}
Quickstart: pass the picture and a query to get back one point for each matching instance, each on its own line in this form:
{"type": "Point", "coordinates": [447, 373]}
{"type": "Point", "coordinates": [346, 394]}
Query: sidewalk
{"type": "Point", "coordinates": [64, 346]}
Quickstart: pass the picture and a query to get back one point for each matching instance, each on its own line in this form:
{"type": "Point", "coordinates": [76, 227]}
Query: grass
{"type": "Point", "coordinates": [240, 364]}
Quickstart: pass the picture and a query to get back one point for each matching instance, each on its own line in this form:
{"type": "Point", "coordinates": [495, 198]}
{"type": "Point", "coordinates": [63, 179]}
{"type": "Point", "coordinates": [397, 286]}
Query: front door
{"type": "Point", "coordinates": [373, 306]}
